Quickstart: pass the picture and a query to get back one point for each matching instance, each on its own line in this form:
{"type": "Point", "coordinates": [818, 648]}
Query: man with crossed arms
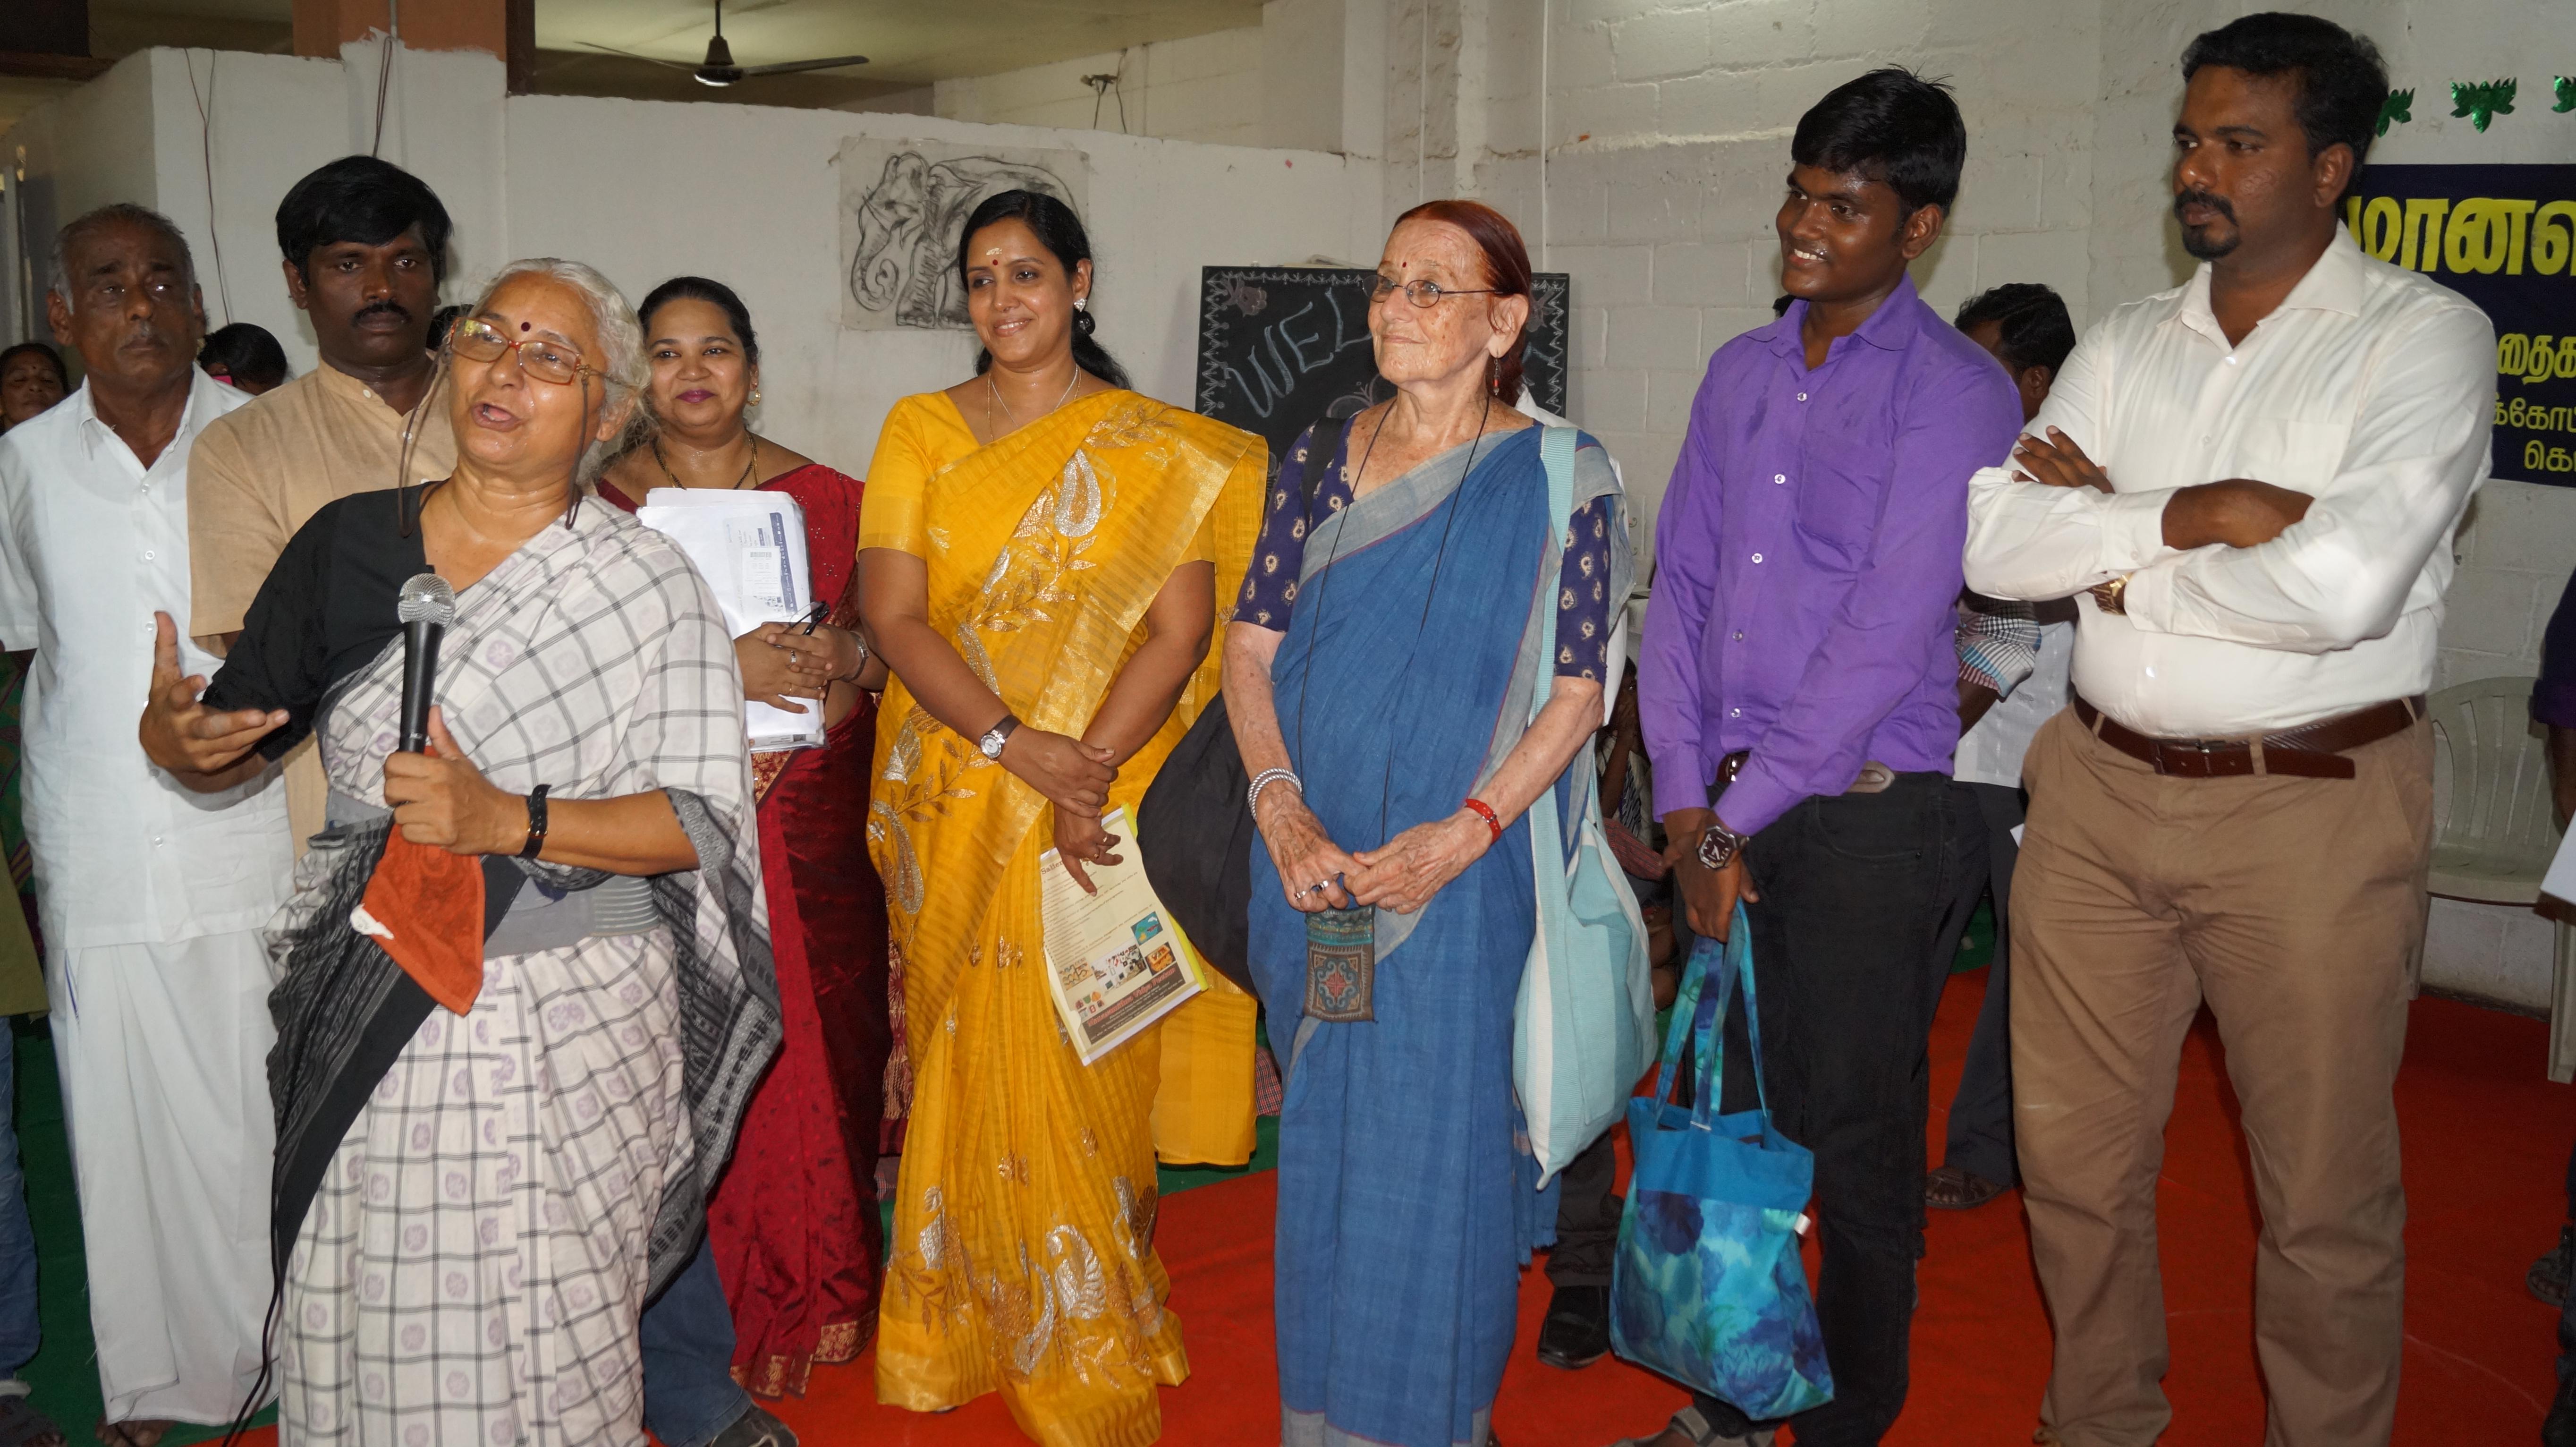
{"type": "Point", "coordinates": [2250, 483]}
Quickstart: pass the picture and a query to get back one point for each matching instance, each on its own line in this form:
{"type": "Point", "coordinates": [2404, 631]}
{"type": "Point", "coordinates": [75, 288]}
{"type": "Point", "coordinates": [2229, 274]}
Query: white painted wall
{"type": "Point", "coordinates": [1203, 88]}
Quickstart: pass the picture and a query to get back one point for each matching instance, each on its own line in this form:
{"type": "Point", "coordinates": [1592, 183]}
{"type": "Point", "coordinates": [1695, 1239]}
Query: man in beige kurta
{"type": "Point", "coordinates": [365, 247]}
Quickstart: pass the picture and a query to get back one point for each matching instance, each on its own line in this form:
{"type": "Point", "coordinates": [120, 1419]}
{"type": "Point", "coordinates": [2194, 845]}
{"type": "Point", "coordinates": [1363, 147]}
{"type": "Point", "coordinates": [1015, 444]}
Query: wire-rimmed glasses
{"type": "Point", "coordinates": [547, 360]}
{"type": "Point", "coordinates": [1421, 293]}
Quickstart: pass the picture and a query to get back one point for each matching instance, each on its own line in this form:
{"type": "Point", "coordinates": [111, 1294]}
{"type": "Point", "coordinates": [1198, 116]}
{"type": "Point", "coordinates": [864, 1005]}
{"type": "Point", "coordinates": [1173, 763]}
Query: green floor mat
{"type": "Point", "coordinates": [65, 1371]}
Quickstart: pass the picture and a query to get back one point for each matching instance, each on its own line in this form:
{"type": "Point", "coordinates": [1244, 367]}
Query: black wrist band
{"type": "Point", "coordinates": [536, 822]}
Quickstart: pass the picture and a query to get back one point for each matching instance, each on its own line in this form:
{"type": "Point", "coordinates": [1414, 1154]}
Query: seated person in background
{"type": "Point", "coordinates": [32, 378]}
{"type": "Point", "coordinates": [2000, 644]}
{"type": "Point", "coordinates": [245, 355]}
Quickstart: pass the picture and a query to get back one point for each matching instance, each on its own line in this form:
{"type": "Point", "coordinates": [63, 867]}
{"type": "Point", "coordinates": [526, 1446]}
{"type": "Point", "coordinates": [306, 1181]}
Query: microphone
{"type": "Point", "coordinates": [426, 607]}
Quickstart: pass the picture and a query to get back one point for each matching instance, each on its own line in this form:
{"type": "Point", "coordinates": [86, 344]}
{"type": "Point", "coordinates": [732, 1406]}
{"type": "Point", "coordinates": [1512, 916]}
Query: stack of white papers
{"type": "Point", "coordinates": [750, 547]}
{"type": "Point", "coordinates": [1115, 963]}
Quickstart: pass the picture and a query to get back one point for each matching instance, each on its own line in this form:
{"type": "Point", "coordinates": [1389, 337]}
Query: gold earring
{"type": "Point", "coordinates": [755, 396]}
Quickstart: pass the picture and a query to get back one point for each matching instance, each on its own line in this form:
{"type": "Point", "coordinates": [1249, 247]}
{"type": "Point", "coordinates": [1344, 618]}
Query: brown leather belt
{"type": "Point", "coordinates": [1874, 776]}
{"type": "Point", "coordinates": [2314, 751]}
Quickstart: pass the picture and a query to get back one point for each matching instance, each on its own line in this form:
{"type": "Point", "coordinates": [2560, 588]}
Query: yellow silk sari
{"type": "Point", "coordinates": [1022, 1256]}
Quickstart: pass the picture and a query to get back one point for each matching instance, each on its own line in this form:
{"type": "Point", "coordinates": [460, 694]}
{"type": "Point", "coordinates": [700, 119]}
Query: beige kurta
{"type": "Point", "coordinates": [258, 473]}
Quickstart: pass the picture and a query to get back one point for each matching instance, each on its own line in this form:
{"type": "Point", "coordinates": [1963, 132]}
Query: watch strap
{"type": "Point", "coordinates": [536, 822]}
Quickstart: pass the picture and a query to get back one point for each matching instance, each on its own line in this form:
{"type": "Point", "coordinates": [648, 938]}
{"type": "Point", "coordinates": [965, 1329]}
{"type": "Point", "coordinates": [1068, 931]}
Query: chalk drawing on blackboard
{"type": "Point", "coordinates": [902, 205]}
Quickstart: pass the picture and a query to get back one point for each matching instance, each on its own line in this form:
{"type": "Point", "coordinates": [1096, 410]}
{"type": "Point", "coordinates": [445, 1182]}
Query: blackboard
{"type": "Point", "coordinates": [1280, 347]}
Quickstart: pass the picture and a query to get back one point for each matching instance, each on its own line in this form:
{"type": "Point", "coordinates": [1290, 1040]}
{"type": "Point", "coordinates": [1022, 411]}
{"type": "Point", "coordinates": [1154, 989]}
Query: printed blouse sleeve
{"type": "Point", "coordinates": [1583, 595]}
{"type": "Point", "coordinates": [1279, 554]}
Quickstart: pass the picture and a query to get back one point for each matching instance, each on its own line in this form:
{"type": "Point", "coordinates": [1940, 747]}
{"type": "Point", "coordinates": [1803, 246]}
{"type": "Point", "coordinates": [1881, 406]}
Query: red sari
{"type": "Point", "coordinates": [794, 1221]}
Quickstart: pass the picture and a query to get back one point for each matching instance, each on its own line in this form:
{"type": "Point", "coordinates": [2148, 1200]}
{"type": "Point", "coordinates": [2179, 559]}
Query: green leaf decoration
{"type": "Point", "coordinates": [2565, 85]}
{"type": "Point", "coordinates": [2482, 101]}
{"type": "Point", "coordinates": [2396, 110]}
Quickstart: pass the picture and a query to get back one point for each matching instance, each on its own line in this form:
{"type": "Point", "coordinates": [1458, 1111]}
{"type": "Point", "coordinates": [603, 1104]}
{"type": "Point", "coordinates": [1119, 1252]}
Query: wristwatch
{"type": "Point", "coordinates": [1719, 845]}
{"type": "Point", "coordinates": [2112, 597]}
{"type": "Point", "coordinates": [996, 736]}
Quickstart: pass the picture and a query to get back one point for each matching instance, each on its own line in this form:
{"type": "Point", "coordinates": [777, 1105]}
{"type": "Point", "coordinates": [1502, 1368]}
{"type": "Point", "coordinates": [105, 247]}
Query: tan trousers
{"type": "Point", "coordinates": [2291, 907]}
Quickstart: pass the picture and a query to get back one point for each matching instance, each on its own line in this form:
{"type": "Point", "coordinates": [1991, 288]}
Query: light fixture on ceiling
{"type": "Point", "coordinates": [719, 69]}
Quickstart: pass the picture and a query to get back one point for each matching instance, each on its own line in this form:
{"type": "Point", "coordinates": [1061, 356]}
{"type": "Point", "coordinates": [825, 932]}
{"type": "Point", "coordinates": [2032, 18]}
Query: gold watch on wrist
{"type": "Point", "coordinates": [2112, 597]}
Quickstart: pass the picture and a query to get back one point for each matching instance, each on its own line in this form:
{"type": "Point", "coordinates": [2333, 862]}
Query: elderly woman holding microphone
{"type": "Point", "coordinates": [497, 1125]}
{"type": "Point", "coordinates": [1405, 605]}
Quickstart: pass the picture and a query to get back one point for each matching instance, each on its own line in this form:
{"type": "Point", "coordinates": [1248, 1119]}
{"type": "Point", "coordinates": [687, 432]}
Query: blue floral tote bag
{"type": "Point", "coordinates": [1708, 1288]}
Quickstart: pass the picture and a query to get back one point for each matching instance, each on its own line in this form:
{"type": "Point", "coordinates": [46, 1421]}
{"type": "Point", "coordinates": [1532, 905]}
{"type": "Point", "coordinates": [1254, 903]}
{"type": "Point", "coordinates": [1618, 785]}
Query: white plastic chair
{"type": "Point", "coordinates": [2493, 832]}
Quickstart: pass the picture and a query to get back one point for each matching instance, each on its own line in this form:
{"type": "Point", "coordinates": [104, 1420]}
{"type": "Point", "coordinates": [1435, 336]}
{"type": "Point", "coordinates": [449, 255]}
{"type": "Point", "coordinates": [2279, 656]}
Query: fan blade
{"type": "Point", "coordinates": [631, 55]}
{"type": "Point", "coordinates": [790, 67]}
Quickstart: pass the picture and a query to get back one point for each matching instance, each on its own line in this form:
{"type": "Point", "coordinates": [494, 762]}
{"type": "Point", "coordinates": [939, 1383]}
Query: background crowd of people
{"type": "Point", "coordinates": [543, 1084]}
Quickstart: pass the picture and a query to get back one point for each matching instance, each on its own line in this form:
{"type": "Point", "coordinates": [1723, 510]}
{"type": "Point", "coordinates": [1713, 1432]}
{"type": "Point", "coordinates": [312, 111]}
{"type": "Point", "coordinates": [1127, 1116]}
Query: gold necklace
{"type": "Point", "coordinates": [748, 464]}
{"type": "Point", "coordinates": [1016, 424]}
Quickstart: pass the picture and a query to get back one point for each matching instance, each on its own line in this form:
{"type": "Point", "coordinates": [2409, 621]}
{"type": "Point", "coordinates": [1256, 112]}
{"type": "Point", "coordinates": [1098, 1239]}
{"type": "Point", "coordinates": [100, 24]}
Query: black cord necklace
{"type": "Point", "coordinates": [737, 485]}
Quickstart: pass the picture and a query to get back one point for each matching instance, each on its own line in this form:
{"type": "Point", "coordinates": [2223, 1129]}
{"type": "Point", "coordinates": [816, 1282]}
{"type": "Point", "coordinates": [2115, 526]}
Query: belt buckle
{"type": "Point", "coordinates": [2204, 750]}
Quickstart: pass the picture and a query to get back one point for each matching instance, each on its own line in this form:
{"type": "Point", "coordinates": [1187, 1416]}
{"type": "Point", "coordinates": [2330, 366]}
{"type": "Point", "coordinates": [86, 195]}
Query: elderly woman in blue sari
{"type": "Point", "coordinates": [1409, 600]}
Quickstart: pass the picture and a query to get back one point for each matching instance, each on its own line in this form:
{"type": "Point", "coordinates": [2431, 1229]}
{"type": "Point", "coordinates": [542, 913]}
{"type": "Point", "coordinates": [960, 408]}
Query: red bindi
{"type": "Point", "coordinates": [523, 326]}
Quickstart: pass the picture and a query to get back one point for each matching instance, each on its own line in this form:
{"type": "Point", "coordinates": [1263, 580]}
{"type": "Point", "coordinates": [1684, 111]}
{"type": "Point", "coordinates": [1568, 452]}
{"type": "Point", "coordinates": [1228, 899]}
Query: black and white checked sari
{"type": "Point", "coordinates": [471, 1210]}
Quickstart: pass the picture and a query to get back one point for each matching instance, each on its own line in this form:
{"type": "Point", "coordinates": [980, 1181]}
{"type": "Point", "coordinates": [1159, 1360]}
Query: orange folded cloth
{"type": "Point", "coordinates": [425, 906]}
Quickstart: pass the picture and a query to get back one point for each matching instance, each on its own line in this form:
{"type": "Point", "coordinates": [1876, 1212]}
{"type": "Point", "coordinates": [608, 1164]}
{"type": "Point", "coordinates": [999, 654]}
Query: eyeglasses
{"type": "Point", "coordinates": [1421, 293]}
{"type": "Point", "coordinates": [477, 340]}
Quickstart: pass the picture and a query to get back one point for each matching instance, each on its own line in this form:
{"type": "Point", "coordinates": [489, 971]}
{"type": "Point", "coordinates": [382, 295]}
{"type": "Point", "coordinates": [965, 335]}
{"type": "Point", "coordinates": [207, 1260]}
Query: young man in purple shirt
{"type": "Point", "coordinates": [1798, 688]}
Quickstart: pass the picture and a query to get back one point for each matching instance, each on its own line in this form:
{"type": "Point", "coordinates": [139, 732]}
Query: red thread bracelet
{"type": "Point", "coordinates": [1485, 812]}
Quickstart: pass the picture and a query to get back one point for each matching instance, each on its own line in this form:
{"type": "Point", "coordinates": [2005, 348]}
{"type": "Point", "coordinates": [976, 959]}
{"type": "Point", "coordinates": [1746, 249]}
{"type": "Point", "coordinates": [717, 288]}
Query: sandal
{"type": "Point", "coordinates": [1949, 1188]}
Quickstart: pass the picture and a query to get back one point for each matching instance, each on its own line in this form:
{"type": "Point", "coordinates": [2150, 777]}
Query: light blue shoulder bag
{"type": "Point", "coordinates": [1584, 1025]}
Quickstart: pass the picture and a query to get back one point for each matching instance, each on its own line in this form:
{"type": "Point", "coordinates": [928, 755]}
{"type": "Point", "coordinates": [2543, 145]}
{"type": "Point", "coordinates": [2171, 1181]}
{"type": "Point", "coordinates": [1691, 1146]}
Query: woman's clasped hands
{"type": "Point", "coordinates": [1402, 875]}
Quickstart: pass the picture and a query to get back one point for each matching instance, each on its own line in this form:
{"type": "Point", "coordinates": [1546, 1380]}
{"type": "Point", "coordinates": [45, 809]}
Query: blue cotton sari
{"type": "Point", "coordinates": [1406, 1206]}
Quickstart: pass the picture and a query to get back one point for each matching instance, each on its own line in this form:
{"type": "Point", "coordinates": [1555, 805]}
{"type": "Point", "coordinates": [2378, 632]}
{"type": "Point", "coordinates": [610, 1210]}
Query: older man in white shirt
{"type": "Point", "coordinates": [153, 897]}
{"type": "Point", "coordinates": [2253, 479]}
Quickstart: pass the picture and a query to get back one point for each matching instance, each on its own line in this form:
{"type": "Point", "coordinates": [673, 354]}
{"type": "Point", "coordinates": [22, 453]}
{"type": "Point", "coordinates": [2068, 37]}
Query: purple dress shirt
{"type": "Point", "coordinates": [1807, 560]}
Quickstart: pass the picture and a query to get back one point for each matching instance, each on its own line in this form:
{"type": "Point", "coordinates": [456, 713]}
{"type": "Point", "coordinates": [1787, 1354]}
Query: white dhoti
{"type": "Point", "coordinates": [163, 1050]}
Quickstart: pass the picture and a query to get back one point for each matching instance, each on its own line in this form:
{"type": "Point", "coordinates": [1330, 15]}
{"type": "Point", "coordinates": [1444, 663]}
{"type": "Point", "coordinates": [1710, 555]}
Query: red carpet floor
{"type": "Point", "coordinates": [2486, 1142]}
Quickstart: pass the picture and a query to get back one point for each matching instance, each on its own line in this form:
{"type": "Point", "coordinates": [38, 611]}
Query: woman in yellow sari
{"type": "Point", "coordinates": [1042, 552]}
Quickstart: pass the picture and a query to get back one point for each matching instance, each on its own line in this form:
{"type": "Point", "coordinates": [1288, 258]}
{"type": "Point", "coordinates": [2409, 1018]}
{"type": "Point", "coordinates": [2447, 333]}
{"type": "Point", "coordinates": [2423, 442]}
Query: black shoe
{"type": "Point", "coordinates": [2547, 1277]}
{"type": "Point", "coordinates": [2558, 1429]}
{"type": "Point", "coordinates": [1577, 1330]}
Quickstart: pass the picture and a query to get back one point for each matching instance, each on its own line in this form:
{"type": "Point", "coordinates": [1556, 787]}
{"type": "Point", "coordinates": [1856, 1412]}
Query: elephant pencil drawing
{"type": "Point", "coordinates": [907, 224]}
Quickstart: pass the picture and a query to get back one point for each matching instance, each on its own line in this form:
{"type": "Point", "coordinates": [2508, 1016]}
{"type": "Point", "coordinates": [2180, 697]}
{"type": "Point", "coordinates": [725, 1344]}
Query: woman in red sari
{"type": "Point", "coordinates": [794, 1220]}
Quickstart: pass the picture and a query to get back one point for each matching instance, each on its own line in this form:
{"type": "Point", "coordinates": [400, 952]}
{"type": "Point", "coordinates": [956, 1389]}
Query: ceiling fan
{"type": "Point", "coordinates": [718, 69]}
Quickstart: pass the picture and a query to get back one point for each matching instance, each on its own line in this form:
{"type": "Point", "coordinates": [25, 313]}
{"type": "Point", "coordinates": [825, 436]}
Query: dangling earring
{"type": "Point", "coordinates": [755, 397]}
{"type": "Point", "coordinates": [1082, 322]}
{"type": "Point", "coordinates": [1493, 374]}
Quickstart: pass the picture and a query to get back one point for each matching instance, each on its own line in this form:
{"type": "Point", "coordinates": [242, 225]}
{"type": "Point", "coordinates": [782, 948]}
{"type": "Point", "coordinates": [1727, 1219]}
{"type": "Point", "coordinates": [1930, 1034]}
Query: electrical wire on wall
{"type": "Point", "coordinates": [385, 72]}
{"type": "Point", "coordinates": [1103, 85]}
{"type": "Point", "coordinates": [206, 148]}
{"type": "Point", "coordinates": [1546, 136]}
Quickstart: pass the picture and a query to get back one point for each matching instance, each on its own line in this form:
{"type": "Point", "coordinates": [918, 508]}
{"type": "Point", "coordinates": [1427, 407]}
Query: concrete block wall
{"type": "Point", "coordinates": [1668, 133]}
{"type": "Point", "coordinates": [1203, 88]}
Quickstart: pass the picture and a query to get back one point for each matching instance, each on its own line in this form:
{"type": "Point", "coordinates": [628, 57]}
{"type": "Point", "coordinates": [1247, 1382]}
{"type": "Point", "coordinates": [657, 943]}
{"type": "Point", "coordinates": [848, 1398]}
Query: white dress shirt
{"type": "Point", "coordinates": [91, 542]}
{"type": "Point", "coordinates": [2371, 388]}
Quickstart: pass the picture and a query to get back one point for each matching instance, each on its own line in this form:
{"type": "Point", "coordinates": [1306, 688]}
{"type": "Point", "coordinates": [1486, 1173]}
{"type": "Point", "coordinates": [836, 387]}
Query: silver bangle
{"type": "Point", "coordinates": [1267, 777]}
